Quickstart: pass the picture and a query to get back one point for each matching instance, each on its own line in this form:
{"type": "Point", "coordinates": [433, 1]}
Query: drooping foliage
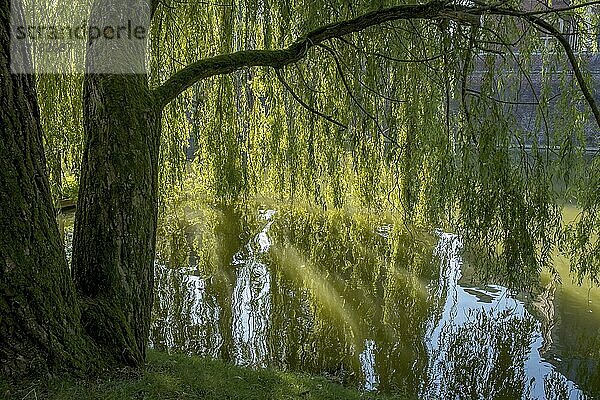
{"type": "Point", "coordinates": [470, 124]}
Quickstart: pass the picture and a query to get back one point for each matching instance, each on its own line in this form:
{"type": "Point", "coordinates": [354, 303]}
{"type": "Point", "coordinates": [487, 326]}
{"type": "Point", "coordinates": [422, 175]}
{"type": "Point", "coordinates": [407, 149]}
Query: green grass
{"type": "Point", "coordinates": [182, 377]}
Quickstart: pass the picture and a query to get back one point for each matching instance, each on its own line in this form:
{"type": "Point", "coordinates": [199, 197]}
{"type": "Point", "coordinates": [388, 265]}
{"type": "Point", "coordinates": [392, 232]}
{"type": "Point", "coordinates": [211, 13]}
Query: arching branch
{"type": "Point", "coordinates": [228, 63]}
{"type": "Point", "coordinates": [224, 64]}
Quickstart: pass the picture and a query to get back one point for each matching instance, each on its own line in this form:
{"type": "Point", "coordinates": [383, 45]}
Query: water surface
{"type": "Point", "coordinates": [368, 304]}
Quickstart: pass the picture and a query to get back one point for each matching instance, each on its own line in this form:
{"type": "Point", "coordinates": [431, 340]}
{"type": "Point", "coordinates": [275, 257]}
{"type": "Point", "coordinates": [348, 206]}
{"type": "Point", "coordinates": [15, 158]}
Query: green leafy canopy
{"type": "Point", "coordinates": [419, 116]}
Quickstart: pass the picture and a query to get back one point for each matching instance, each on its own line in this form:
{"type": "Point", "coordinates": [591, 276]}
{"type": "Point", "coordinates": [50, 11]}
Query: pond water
{"type": "Point", "coordinates": [367, 304]}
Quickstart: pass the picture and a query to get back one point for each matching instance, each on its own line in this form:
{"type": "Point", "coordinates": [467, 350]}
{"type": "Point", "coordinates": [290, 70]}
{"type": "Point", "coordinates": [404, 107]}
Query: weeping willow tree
{"type": "Point", "coordinates": [411, 104]}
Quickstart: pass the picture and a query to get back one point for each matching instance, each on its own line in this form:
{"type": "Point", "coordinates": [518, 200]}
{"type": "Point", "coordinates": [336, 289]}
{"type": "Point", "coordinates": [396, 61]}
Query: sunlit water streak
{"type": "Point", "coordinates": [367, 364]}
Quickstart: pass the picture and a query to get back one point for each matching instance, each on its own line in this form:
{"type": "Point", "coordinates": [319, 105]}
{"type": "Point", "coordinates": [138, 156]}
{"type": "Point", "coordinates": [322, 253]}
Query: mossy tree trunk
{"type": "Point", "coordinates": [115, 223]}
{"type": "Point", "coordinates": [50, 321]}
{"type": "Point", "coordinates": [39, 312]}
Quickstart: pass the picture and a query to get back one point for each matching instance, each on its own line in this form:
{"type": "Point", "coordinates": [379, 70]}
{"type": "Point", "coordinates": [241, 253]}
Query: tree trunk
{"type": "Point", "coordinates": [115, 223]}
{"type": "Point", "coordinates": [43, 326]}
{"type": "Point", "coordinates": [39, 316]}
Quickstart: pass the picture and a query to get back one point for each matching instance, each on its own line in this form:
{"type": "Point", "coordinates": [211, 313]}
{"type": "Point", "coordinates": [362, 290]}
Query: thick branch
{"type": "Point", "coordinates": [225, 64]}
{"type": "Point", "coordinates": [228, 63]}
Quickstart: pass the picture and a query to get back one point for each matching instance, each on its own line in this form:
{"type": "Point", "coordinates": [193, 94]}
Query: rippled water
{"type": "Point", "coordinates": [490, 334]}
{"type": "Point", "coordinates": [316, 296]}
{"type": "Point", "coordinates": [367, 307]}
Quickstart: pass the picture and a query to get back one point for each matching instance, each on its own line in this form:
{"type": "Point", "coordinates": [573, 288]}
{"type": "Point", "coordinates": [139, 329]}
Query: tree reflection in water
{"type": "Point", "coordinates": [485, 344]}
{"type": "Point", "coordinates": [364, 302]}
{"type": "Point", "coordinates": [186, 315]}
{"type": "Point", "coordinates": [251, 301]}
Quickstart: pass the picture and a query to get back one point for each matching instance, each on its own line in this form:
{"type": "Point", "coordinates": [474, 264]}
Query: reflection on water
{"type": "Point", "coordinates": [251, 301]}
{"type": "Point", "coordinates": [367, 363]}
{"type": "Point", "coordinates": [185, 313]}
{"type": "Point", "coordinates": [486, 334]}
{"type": "Point", "coordinates": [363, 303]}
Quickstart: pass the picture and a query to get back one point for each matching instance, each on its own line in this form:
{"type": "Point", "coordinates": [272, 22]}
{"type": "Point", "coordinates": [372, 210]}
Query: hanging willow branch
{"type": "Point", "coordinates": [304, 104]}
{"type": "Point", "coordinates": [228, 63]}
{"type": "Point", "coordinates": [572, 60]}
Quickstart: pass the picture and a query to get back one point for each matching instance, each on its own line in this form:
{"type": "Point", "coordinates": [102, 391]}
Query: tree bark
{"type": "Point", "coordinates": [39, 314]}
{"type": "Point", "coordinates": [115, 222]}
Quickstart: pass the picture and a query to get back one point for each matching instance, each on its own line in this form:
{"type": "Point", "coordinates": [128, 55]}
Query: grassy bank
{"type": "Point", "coordinates": [182, 377]}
